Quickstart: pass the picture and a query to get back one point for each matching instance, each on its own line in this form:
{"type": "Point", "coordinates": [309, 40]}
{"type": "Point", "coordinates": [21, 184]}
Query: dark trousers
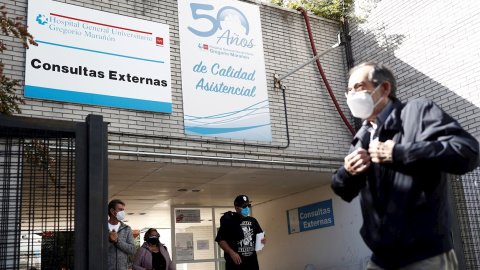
{"type": "Point", "coordinates": [245, 265]}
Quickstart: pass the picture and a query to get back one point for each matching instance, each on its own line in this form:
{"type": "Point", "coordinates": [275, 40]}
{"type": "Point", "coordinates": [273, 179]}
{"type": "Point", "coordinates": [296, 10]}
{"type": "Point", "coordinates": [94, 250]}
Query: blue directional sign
{"type": "Point", "coordinates": [310, 217]}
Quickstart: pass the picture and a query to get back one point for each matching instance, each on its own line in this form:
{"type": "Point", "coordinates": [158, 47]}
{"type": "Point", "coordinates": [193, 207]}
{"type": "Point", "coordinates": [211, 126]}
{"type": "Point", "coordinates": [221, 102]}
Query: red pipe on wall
{"type": "Point", "coordinates": [312, 43]}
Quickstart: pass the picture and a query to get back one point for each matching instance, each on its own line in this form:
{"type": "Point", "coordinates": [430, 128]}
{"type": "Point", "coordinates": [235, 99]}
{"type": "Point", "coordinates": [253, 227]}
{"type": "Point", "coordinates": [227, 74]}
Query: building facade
{"type": "Point", "coordinates": [156, 168]}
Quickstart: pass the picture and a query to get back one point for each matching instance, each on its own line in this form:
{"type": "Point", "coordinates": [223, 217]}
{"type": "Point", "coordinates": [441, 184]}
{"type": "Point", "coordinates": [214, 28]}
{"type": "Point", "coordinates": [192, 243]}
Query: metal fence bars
{"type": "Point", "coordinates": [466, 193]}
{"type": "Point", "coordinates": [53, 178]}
{"type": "Point", "coordinates": [37, 199]}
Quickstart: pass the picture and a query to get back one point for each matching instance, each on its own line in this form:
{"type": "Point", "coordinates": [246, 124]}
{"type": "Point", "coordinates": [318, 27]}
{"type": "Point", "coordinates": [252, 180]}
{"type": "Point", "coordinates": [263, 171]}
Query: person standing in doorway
{"type": "Point", "coordinates": [237, 236]}
{"type": "Point", "coordinates": [398, 163]}
{"type": "Point", "coordinates": [152, 255]}
{"type": "Point", "coordinates": [120, 237]}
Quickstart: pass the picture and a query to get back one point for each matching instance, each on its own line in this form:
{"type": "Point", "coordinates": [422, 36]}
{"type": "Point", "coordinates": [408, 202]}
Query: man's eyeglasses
{"type": "Point", "coordinates": [245, 206]}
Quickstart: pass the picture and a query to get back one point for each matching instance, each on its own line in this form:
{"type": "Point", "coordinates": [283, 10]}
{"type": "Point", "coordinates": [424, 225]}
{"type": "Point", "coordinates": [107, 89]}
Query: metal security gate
{"type": "Point", "coordinates": [50, 173]}
{"type": "Point", "coordinates": [37, 199]}
{"type": "Point", "coordinates": [466, 193]}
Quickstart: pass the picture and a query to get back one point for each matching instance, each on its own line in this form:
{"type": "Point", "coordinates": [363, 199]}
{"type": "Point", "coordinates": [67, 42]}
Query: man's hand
{"type": "Point", "coordinates": [235, 257]}
{"type": "Point", "coordinates": [357, 162]}
{"type": "Point", "coordinates": [264, 240]}
{"type": "Point", "coordinates": [381, 152]}
{"type": "Point", "coordinates": [113, 236]}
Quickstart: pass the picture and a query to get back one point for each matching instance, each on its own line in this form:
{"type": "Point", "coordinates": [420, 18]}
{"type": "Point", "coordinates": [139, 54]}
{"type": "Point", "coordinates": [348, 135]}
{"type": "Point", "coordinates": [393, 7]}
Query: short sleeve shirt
{"type": "Point", "coordinates": [240, 234]}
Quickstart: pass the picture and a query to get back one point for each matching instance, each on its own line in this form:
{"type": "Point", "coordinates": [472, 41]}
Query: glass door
{"type": "Point", "coordinates": [193, 237]}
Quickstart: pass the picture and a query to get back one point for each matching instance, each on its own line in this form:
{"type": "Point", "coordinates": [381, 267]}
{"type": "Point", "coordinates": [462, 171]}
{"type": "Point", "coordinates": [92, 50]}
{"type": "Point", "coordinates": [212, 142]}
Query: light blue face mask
{"type": "Point", "coordinates": [246, 211]}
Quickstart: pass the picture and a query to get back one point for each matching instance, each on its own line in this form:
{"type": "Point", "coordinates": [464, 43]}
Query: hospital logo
{"type": "Point", "coordinates": [159, 41]}
{"type": "Point", "coordinates": [203, 46]}
{"type": "Point", "coordinates": [41, 19]}
{"type": "Point", "coordinates": [229, 26]}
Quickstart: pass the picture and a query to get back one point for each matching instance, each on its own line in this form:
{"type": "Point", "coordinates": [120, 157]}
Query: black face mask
{"type": "Point", "coordinates": [153, 240]}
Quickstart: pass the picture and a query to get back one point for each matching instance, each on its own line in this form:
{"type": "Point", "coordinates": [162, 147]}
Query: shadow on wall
{"type": "Point", "coordinates": [425, 77]}
{"type": "Point", "coordinates": [442, 80]}
{"type": "Point", "coordinates": [376, 45]}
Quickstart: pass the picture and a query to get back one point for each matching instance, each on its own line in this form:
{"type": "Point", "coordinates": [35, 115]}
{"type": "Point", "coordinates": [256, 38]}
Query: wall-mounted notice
{"type": "Point", "coordinates": [223, 70]}
{"type": "Point", "coordinates": [310, 217]}
{"type": "Point", "coordinates": [184, 246]}
{"type": "Point", "coordinates": [93, 57]}
{"type": "Point", "coordinates": [203, 244]}
{"type": "Point", "coordinates": [187, 216]}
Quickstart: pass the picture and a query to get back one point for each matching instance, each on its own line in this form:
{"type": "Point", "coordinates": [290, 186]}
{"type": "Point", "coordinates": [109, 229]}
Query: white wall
{"type": "Point", "coordinates": [336, 247]}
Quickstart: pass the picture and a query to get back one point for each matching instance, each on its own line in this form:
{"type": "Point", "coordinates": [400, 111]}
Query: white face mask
{"type": "Point", "coordinates": [361, 103]}
{"type": "Point", "coordinates": [121, 215]}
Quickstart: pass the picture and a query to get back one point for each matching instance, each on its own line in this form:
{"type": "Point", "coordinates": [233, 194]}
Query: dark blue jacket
{"type": "Point", "coordinates": [405, 205]}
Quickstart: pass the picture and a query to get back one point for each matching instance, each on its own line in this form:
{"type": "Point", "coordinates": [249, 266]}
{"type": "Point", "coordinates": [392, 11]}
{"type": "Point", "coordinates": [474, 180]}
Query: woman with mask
{"type": "Point", "coordinates": [152, 255]}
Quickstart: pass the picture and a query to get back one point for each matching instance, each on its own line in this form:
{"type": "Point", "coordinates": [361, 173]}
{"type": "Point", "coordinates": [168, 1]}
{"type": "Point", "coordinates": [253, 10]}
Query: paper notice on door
{"type": "Point", "coordinates": [258, 241]}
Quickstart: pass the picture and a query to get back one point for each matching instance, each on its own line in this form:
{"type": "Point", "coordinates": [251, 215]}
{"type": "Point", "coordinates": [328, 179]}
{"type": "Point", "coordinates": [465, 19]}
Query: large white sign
{"type": "Point", "coordinates": [223, 70]}
{"type": "Point", "coordinates": [99, 58]}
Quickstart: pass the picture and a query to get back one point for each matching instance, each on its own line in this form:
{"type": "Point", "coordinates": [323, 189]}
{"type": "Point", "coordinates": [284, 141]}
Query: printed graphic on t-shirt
{"type": "Point", "coordinates": [246, 246]}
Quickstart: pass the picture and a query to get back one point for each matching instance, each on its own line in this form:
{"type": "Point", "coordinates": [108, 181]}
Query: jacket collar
{"type": "Point", "coordinates": [122, 226]}
{"type": "Point", "coordinates": [145, 245]}
{"type": "Point", "coordinates": [362, 135]}
{"type": "Point", "coordinates": [392, 123]}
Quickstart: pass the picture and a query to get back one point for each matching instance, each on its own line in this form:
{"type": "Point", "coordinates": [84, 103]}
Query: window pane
{"type": "Point", "coordinates": [201, 229]}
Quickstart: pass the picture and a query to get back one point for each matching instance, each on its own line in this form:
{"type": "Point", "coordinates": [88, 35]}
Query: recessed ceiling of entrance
{"type": "Point", "coordinates": [150, 188]}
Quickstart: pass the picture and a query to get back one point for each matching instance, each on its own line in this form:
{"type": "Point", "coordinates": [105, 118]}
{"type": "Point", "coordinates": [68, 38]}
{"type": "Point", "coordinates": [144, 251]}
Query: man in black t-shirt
{"type": "Point", "coordinates": [237, 235]}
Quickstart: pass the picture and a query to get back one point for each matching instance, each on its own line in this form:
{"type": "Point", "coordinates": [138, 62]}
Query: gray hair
{"type": "Point", "coordinates": [379, 73]}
